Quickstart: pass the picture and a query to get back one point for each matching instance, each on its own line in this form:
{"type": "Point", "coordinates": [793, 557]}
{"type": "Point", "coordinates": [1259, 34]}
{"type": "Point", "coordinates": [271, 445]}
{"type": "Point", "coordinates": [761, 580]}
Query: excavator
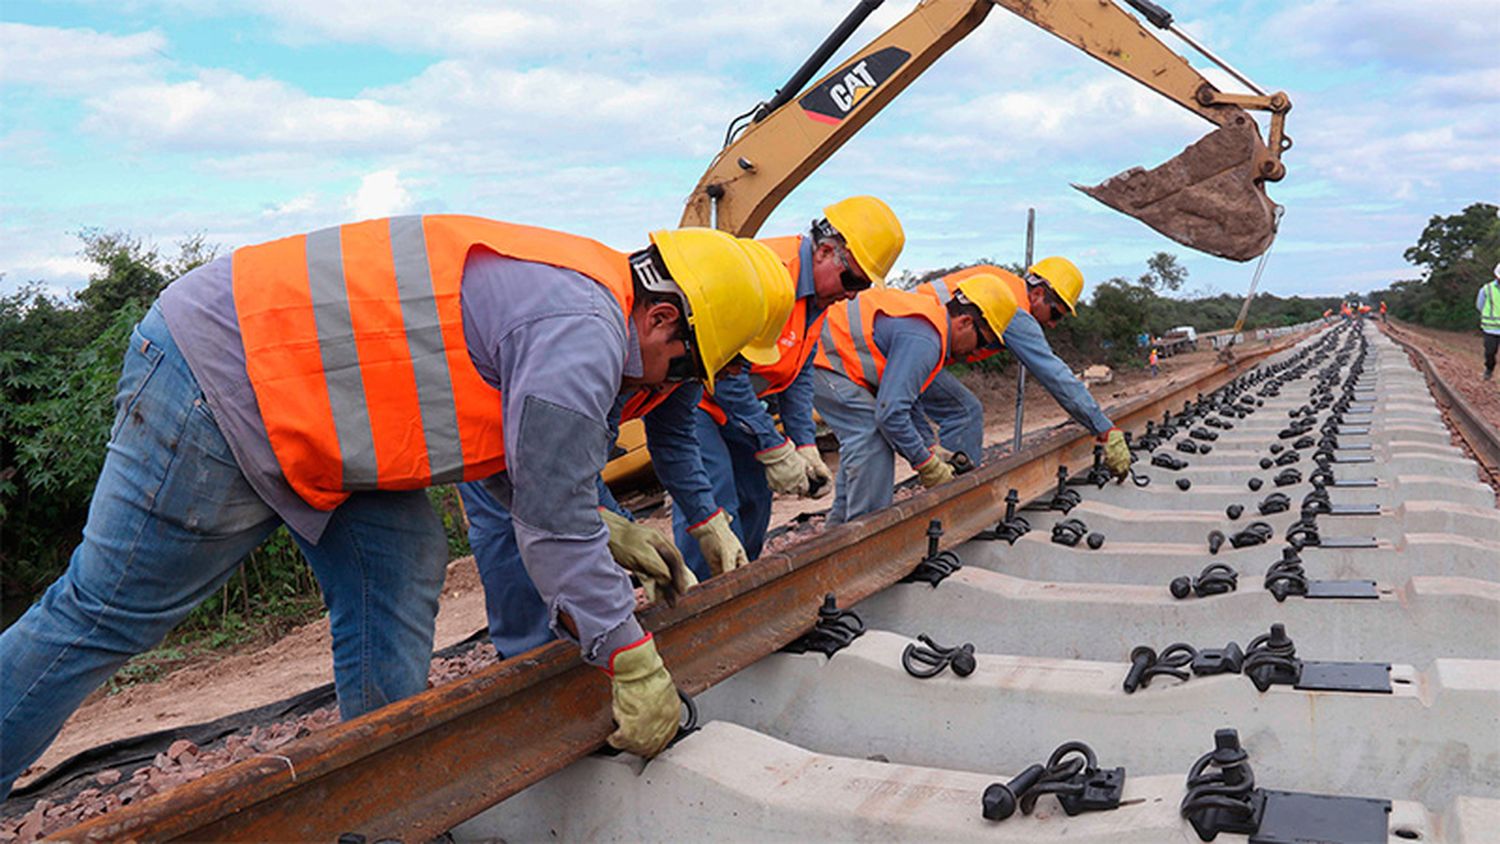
{"type": "Point", "coordinates": [1210, 197]}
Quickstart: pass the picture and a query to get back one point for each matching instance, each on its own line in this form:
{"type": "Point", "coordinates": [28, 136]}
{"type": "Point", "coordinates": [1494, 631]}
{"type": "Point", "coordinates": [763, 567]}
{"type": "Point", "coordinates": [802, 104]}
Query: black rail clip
{"type": "Point", "coordinates": [1226, 800]}
{"type": "Point", "coordinates": [929, 659]}
{"type": "Point", "coordinates": [1063, 499]}
{"type": "Point", "coordinates": [1069, 532]}
{"type": "Point", "coordinates": [1012, 527]}
{"type": "Point", "coordinates": [1079, 783]}
{"type": "Point", "coordinates": [833, 632]}
{"type": "Point", "coordinates": [937, 565]}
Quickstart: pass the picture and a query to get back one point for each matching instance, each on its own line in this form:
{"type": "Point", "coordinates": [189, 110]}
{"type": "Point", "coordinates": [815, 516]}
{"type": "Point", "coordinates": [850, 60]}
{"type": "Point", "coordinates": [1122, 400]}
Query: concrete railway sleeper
{"type": "Point", "coordinates": [806, 746]}
{"type": "Point", "coordinates": [777, 791]}
{"type": "Point", "coordinates": [1417, 621]}
{"type": "Point", "coordinates": [862, 702]}
{"type": "Point", "coordinates": [1414, 554]}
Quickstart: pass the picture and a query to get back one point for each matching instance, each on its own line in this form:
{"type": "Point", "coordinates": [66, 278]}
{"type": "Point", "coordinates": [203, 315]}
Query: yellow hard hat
{"type": "Point", "coordinates": [734, 287]}
{"type": "Point", "coordinates": [872, 232]}
{"type": "Point", "coordinates": [1063, 277]}
{"type": "Point", "coordinates": [993, 297]}
{"type": "Point", "coordinates": [780, 295]}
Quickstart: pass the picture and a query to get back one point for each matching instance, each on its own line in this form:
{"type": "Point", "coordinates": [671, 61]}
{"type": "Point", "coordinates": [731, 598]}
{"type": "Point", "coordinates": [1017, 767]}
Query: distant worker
{"type": "Point", "coordinates": [1152, 360]}
{"type": "Point", "coordinates": [876, 354]}
{"type": "Point", "coordinates": [519, 619]}
{"type": "Point", "coordinates": [850, 249]}
{"type": "Point", "coordinates": [1384, 317]}
{"type": "Point", "coordinates": [323, 381]}
{"type": "Point", "coordinates": [1488, 303]}
{"type": "Point", "coordinates": [1328, 315]}
{"type": "Point", "coordinates": [1050, 291]}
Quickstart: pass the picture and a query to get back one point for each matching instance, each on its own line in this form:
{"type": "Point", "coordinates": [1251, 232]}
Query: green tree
{"type": "Point", "coordinates": [1457, 253]}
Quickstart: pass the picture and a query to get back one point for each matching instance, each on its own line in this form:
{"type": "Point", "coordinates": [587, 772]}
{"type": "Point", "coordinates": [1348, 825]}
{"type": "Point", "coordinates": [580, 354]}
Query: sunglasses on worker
{"type": "Point", "coordinates": [852, 281]}
{"type": "Point", "coordinates": [1053, 301]}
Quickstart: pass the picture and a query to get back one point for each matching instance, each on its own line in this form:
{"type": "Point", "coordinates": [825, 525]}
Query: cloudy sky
{"type": "Point", "coordinates": [246, 120]}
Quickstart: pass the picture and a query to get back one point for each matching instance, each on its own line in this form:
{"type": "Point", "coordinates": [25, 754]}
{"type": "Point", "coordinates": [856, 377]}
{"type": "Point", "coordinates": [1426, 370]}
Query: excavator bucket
{"type": "Point", "coordinates": [1207, 197]}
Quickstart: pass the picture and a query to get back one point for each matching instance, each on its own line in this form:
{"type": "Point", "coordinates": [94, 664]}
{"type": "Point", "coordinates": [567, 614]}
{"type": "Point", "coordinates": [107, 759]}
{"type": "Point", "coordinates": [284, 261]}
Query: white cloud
{"type": "Point", "coordinates": [1395, 33]}
{"type": "Point", "coordinates": [75, 61]}
{"type": "Point", "coordinates": [295, 206]}
{"type": "Point", "coordinates": [380, 194]}
{"type": "Point", "coordinates": [221, 110]}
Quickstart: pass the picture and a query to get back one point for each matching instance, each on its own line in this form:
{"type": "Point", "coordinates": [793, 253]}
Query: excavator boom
{"type": "Point", "coordinates": [1210, 197]}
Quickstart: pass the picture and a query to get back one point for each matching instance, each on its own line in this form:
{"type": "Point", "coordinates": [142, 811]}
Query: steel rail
{"type": "Point", "coordinates": [418, 767]}
{"type": "Point", "coordinates": [1483, 441]}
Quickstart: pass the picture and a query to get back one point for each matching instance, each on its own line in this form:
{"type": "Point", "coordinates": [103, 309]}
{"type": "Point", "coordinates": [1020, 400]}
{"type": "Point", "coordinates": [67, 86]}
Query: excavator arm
{"type": "Point", "coordinates": [1211, 197]}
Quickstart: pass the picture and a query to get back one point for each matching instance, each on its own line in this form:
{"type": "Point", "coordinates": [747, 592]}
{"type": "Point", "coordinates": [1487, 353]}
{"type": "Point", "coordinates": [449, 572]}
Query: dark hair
{"type": "Point", "coordinates": [957, 309]}
{"type": "Point", "coordinates": [647, 267]}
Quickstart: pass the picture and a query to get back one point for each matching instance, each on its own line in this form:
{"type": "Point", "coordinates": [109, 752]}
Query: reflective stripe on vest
{"type": "Point", "coordinates": [847, 344]}
{"type": "Point", "coordinates": [1016, 284]}
{"type": "Point", "coordinates": [942, 289]}
{"type": "Point", "coordinates": [797, 342]}
{"type": "Point", "coordinates": [354, 346]}
{"type": "Point", "coordinates": [1489, 318]}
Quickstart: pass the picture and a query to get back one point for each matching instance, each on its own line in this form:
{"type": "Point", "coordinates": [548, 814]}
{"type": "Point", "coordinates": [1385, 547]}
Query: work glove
{"type": "Point", "coordinates": [943, 454]}
{"type": "Point", "coordinates": [1116, 453]}
{"type": "Point", "coordinates": [785, 472]}
{"type": "Point", "coordinates": [934, 471]}
{"type": "Point", "coordinates": [819, 478]}
{"type": "Point", "coordinates": [648, 555]}
{"type": "Point", "coordinates": [645, 704]}
{"type": "Point", "coordinates": [720, 547]}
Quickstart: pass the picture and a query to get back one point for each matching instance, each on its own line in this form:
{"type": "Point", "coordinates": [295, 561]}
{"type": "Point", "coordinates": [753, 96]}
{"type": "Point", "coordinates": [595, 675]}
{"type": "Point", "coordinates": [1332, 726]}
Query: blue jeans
{"type": "Point", "coordinates": [739, 486]}
{"type": "Point", "coordinates": [171, 518]}
{"type": "Point", "coordinates": [867, 464]}
{"type": "Point", "coordinates": [958, 414]}
{"type": "Point", "coordinates": [517, 614]}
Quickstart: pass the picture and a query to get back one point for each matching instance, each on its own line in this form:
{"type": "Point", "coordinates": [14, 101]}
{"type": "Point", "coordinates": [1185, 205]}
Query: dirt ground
{"type": "Point", "coordinates": [234, 682]}
{"type": "Point", "coordinates": [1459, 356]}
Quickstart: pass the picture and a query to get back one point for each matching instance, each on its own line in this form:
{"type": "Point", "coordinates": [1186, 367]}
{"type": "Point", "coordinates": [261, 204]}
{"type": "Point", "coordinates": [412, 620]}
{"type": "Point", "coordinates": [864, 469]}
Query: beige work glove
{"type": "Point", "coordinates": [646, 708]}
{"type": "Point", "coordinates": [818, 474]}
{"type": "Point", "coordinates": [934, 471]}
{"type": "Point", "coordinates": [648, 555]}
{"type": "Point", "coordinates": [943, 454]}
{"type": "Point", "coordinates": [785, 471]}
{"type": "Point", "coordinates": [720, 547]}
{"type": "Point", "coordinates": [1116, 453]}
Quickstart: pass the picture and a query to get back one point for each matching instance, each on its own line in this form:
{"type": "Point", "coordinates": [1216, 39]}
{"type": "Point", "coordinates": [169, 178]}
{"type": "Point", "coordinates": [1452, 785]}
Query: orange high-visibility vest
{"type": "Point", "coordinates": [944, 288]}
{"type": "Point", "coordinates": [354, 345]}
{"type": "Point", "coordinates": [847, 342]}
{"type": "Point", "coordinates": [797, 342]}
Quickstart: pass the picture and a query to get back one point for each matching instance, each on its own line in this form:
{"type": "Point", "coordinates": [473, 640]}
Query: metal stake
{"type": "Point", "coordinates": [1015, 446]}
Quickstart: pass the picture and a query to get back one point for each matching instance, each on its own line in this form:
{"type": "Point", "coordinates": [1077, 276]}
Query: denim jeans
{"type": "Point", "coordinates": [958, 414]}
{"type": "Point", "coordinates": [739, 486]}
{"type": "Point", "coordinates": [867, 464]}
{"type": "Point", "coordinates": [171, 518]}
{"type": "Point", "coordinates": [518, 617]}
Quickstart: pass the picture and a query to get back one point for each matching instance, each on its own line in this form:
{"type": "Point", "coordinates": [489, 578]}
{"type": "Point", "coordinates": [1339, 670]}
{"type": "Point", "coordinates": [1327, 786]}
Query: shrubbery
{"type": "Point", "coordinates": [1458, 253]}
{"type": "Point", "coordinates": [59, 363]}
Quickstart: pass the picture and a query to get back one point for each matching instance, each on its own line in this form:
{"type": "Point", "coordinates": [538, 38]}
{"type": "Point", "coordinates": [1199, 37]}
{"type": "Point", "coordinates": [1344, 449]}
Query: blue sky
{"type": "Point", "coordinates": [245, 121]}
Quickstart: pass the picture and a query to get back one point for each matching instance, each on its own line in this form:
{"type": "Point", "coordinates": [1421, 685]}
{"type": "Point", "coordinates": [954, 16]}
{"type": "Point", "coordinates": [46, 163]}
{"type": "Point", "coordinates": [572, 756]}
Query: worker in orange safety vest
{"type": "Point", "coordinates": [876, 354]}
{"type": "Point", "coordinates": [323, 381]}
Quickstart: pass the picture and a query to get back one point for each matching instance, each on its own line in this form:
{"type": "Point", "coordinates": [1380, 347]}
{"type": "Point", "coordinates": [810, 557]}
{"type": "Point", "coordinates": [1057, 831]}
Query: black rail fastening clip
{"type": "Point", "coordinates": [1079, 783]}
{"type": "Point", "coordinates": [929, 659]}
{"type": "Point", "coordinates": [937, 565]}
{"type": "Point", "coordinates": [834, 630]}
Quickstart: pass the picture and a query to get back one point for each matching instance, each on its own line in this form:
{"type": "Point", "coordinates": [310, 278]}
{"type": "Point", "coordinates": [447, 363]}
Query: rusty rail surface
{"type": "Point", "coordinates": [1483, 441]}
{"type": "Point", "coordinates": [418, 767]}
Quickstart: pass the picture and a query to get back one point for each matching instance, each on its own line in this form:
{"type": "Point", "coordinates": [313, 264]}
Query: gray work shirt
{"type": "Point", "coordinates": [554, 343]}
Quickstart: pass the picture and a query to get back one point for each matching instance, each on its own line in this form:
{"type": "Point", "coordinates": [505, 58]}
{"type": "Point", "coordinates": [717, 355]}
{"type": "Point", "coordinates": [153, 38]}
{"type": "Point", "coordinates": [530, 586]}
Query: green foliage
{"type": "Point", "coordinates": [59, 363]}
{"type": "Point", "coordinates": [58, 369]}
{"type": "Point", "coordinates": [1458, 253]}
